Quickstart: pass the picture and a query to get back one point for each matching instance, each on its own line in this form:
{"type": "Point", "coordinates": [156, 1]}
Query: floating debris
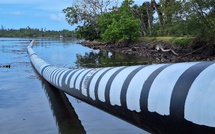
{"type": "Point", "coordinates": [5, 66]}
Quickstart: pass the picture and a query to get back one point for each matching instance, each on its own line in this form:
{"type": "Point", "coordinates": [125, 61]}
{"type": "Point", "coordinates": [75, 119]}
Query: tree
{"type": "Point", "coordinates": [2, 27]}
{"type": "Point", "coordinates": [204, 12]}
{"type": "Point", "coordinates": [86, 12]}
{"type": "Point", "coordinates": [181, 17]}
{"type": "Point", "coordinates": [34, 32]}
{"type": "Point", "coordinates": [141, 14]}
{"type": "Point", "coordinates": [119, 25]}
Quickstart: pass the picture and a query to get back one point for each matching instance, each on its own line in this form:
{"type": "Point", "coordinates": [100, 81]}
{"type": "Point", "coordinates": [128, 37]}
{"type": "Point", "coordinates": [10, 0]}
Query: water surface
{"type": "Point", "coordinates": [28, 104]}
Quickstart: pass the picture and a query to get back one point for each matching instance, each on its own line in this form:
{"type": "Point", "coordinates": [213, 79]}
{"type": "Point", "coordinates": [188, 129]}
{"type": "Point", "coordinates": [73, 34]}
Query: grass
{"type": "Point", "coordinates": [181, 41]}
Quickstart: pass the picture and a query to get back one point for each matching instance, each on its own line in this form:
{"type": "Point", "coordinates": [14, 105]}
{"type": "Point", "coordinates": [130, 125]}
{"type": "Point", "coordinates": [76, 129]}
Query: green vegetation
{"type": "Point", "coordinates": [181, 41]}
{"type": "Point", "coordinates": [119, 25]}
{"type": "Point", "coordinates": [180, 20]}
{"type": "Point", "coordinates": [31, 32]}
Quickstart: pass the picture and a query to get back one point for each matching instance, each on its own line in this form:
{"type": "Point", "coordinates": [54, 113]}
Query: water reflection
{"type": "Point", "coordinates": [105, 59]}
{"type": "Point", "coordinates": [66, 118]}
{"type": "Point", "coordinates": [59, 41]}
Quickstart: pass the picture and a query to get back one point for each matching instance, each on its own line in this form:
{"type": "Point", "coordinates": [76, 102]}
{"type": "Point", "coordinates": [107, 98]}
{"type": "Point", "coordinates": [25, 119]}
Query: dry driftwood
{"type": "Point", "coordinates": [159, 47]}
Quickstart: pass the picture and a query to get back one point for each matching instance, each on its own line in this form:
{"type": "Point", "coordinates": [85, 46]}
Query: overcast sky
{"type": "Point", "coordinates": [39, 14]}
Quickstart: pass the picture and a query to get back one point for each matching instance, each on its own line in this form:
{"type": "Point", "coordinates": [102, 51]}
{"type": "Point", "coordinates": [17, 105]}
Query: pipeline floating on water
{"type": "Point", "coordinates": [160, 98]}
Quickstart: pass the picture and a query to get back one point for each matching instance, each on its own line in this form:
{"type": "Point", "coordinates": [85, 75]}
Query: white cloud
{"type": "Point", "coordinates": [57, 17]}
{"type": "Point", "coordinates": [17, 13]}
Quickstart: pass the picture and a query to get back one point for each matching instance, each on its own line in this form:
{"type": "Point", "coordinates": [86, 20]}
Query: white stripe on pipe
{"type": "Point", "coordinates": [50, 75]}
{"type": "Point", "coordinates": [67, 77]}
{"type": "Point", "coordinates": [103, 83]}
{"type": "Point", "coordinates": [74, 77]}
{"type": "Point", "coordinates": [47, 75]}
{"type": "Point", "coordinates": [58, 75]}
{"type": "Point", "coordinates": [200, 101]}
{"type": "Point", "coordinates": [44, 73]}
{"type": "Point", "coordinates": [78, 81]}
{"type": "Point", "coordinates": [51, 72]}
{"type": "Point", "coordinates": [42, 66]}
{"type": "Point", "coordinates": [136, 85]}
{"type": "Point", "coordinates": [162, 87]}
{"type": "Point", "coordinates": [61, 77]}
{"type": "Point", "coordinates": [116, 86]}
{"type": "Point", "coordinates": [53, 75]}
{"type": "Point", "coordinates": [30, 51]}
{"type": "Point", "coordinates": [93, 83]}
{"type": "Point", "coordinates": [86, 80]}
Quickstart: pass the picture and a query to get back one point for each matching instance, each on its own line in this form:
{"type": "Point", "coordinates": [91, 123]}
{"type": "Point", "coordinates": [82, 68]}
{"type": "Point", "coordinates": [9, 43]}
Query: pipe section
{"type": "Point", "coordinates": [160, 98]}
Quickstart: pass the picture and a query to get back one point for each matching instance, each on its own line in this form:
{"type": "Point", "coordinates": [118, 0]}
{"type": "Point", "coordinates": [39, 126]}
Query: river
{"type": "Point", "coordinates": [30, 105]}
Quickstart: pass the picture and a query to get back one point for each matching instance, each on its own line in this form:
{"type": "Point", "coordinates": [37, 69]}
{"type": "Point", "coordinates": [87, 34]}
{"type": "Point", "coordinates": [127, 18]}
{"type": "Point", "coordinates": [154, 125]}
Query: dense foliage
{"type": "Point", "coordinates": [103, 20]}
{"type": "Point", "coordinates": [119, 25]}
{"type": "Point", "coordinates": [34, 32]}
{"type": "Point", "coordinates": [193, 17]}
{"type": "Point", "coordinates": [86, 12]}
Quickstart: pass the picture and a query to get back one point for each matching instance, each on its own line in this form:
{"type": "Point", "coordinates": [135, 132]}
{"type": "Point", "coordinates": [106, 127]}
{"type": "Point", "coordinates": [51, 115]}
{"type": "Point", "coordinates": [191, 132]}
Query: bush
{"type": "Point", "coordinates": [120, 25]}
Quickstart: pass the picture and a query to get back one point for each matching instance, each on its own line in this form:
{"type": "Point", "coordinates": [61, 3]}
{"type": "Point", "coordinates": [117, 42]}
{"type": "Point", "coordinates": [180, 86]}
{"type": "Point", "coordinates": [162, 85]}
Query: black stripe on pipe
{"type": "Point", "coordinates": [97, 83]}
{"type": "Point", "coordinates": [64, 84]}
{"type": "Point", "coordinates": [126, 84]}
{"type": "Point", "coordinates": [77, 78]}
{"type": "Point", "coordinates": [52, 74]}
{"type": "Point", "coordinates": [83, 79]}
{"type": "Point", "coordinates": [46, 73]}
{"type": "Point", "coordinates": [56, 76]}
{"type": "Point", "coordinates": [182, 86]}
{"type": "Point", "coordinates": [51, 69]}
{"type": "Point", "coordinates": [88, 84]}
{"type": "Point", "coordinates": [70, 77]}
{"type": "Point", "coordinates": [146, 87]}
{"type": "Point", "coordinates": [32, 54]}
{"type": "Point", "coordinates": [109, 83]}
{"type": "Point", "coordinates": [42, 70]}
{"type": "Point", "coordinates": [58, 80]}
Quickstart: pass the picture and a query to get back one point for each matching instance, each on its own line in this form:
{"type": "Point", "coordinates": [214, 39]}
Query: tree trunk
{"type": "Point", "coordinates": [138, 13]}
{"type": "Point", "coordinates": [149, 11]}
{"type": "Point", "coordinates": [143, 25]}
{"type": "Point", "coordinates": [160, 14]}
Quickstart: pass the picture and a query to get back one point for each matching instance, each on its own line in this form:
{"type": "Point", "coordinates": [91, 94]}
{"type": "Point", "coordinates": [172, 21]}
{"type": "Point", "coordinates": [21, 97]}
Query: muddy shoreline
{"type": "Point", "coordinates": [176, 53]}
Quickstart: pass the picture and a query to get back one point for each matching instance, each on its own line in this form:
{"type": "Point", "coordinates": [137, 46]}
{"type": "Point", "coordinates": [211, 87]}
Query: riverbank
{"type": "Point", "coordinates": [160, 51]}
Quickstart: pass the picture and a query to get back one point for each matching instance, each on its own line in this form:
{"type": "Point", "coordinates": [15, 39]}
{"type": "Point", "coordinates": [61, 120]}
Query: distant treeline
{"type": "Point", "coordinates": [34, 32]}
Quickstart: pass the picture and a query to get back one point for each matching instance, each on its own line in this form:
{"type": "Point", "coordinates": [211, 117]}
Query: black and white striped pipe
{"type": "Point", "coordinates": [161, 98]}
